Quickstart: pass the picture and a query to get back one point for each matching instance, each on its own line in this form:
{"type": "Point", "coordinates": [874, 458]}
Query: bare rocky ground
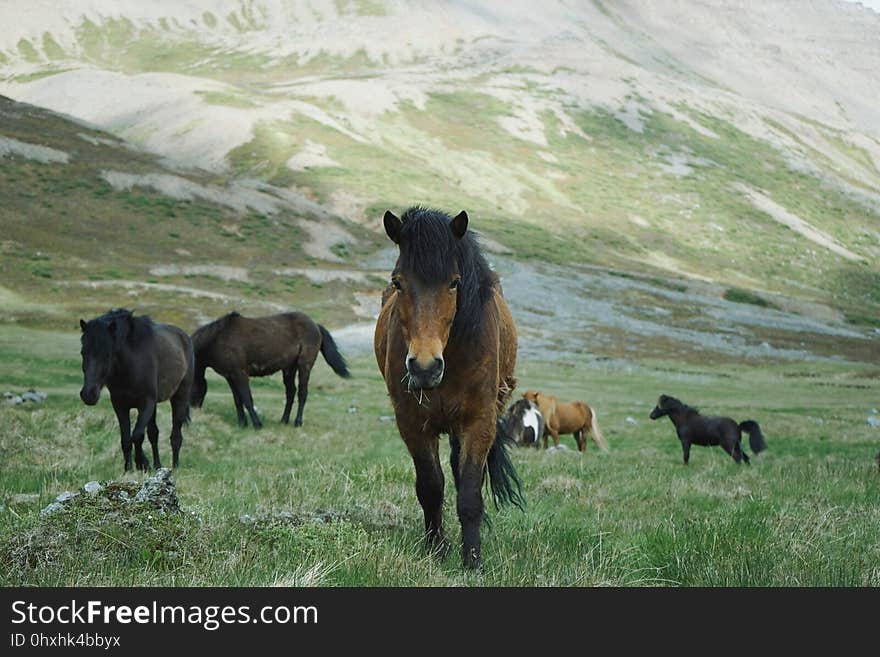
{"type": "Point", "coordinates": [587, 312]}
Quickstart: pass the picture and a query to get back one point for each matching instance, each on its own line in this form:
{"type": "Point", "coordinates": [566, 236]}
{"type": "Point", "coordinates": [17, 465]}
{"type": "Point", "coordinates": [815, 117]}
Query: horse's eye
{"type": "Point", "coordinates": [395, 283]}
{"type": "Point", "coordinates": [454, 284]}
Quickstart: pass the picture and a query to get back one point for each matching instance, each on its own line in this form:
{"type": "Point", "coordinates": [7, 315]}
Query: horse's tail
{"type": "Point", "coordinates": [503, 480]}
{"type": "Point", "coordinates": [598, 438]}
{"type": "Point", "coordinates": [331, 354]}
{"type": "Point", "coordinates": [756, 437]}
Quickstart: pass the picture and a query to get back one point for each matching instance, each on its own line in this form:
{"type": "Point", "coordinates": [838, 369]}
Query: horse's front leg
{"type": "Point", "coordinates": [476, 441]}
{"type": "Point", "coordinates": [423, 447]}
{"type": "Point", "coordinates": [124, 418]}
{"type": "Point", "coordinates": [145, 414]}
{"type": "Point", "coordinates": [686, 450]}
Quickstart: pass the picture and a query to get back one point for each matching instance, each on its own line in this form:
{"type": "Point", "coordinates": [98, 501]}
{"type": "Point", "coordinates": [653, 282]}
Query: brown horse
{"type": "Point", "coordinates": [238, 347]}
{"type": "Point", "coordinates": [445, 343]}
{"type": "Point", "coordinates": [577, 418]}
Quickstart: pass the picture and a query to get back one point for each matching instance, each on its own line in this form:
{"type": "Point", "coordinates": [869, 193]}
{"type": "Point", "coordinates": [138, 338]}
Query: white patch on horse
{"type": "Point", "coordinates": [530, 419]}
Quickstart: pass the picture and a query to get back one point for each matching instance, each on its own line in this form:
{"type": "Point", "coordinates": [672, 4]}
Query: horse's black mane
{"type": "Point", "coordinates": [205, 335]}
{"type": "Point", "coordinates": [429, 250]}
{"type": "Point", "coordinates": [668, 403]}
{"type": "Point", "coordinates": [129, 328]}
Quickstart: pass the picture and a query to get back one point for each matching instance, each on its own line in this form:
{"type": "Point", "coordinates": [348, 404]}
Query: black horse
{"type": "Point", "coordinates": [696, 429]}
{"type": "Point", "coordinates": [141, 363]}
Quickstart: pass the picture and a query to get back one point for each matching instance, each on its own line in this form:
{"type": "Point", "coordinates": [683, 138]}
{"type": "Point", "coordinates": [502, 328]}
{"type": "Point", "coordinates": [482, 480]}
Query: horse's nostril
{"type": "Point", "coordinates": [415, 368]}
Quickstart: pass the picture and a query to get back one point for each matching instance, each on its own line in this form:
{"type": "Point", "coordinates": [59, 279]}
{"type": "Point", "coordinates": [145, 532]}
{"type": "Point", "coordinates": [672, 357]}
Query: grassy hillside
{"type": "Point", "coordinates": [73, 243]}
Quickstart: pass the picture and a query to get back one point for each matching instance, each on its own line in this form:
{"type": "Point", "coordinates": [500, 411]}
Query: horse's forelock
{"type": "Point", "coordinates": [127, 327]}
{"type": "Point", "coordinates": [430, 251]}
{"type": "Point", "coordinates": [428, 248]}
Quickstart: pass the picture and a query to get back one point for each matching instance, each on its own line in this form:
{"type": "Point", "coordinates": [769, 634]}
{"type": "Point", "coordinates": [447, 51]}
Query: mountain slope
{"type": "Point", "coordinates": [87, 217]}
{"type": "Point", "coordinates": [712, 141]}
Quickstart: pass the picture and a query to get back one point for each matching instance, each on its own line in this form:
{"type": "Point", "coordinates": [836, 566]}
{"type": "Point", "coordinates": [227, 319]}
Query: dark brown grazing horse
{"type": "Point", "coordinates": [239, 347]}
{"type": "Point", "coordinates": [445, 343]}
{"type": "Point", "coordinates": [141, 363]}
{"type": "Point", "coordinates": [696, 429]}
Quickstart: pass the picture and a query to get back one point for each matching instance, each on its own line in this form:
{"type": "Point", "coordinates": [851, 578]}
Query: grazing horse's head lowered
{"type": "Point", "coordinates": [433, 300]}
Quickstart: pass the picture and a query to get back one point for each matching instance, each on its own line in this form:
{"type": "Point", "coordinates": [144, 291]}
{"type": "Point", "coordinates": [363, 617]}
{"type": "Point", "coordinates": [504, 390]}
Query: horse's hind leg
{"type": "Point", "coordinates": [153, 435]}
{"type": "Point", "coordinates": [247, 400]}
{"type": "Point", "coordinates": [290, 392]}
{"type": "Point", "coordinates": [179, 417]}
{"type": "Point", "coordinates": [239, 406]}
{"type": "Point", "coordinates": [580, 439]}
{"type": "Point", "coordinates": [304, 369]}
{"type": "Point", "coordinates": [733, 449]}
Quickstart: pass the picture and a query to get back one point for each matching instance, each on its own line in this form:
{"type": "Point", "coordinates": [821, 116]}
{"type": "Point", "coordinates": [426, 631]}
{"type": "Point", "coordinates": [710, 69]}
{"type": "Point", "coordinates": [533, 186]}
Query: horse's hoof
{"type": "Point", "coordinates": [298, 423]}
{"type": "Point", "coordinates": [471, 560]}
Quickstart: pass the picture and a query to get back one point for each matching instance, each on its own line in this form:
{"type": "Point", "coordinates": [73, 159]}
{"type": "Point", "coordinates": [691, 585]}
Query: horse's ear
{"type": "Point", "coordinates": [82, 325]}
{"type": "Point", "coordinates": [392, 226]}
{"type": "Point", "coordinates": [459, 224]}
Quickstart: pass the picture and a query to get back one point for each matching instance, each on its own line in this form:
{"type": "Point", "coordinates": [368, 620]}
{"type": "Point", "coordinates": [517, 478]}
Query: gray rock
{"type": "Point", "coordinates": [874, 420]}
{"type": "Point", "coordinates": [631, 420]}
{"type": "Point", "coordinates": [93, 488]}
{"type": "Point", "coordinates": [159, 490]}
{"type": "Point", "coordinates": [51, 509]}
{"type": "Point", "coordinates": [386, 418]}
{"type": "Point", "coordinates": [34, 396]}
{"type": "Point", "coordinates": [66, 496]}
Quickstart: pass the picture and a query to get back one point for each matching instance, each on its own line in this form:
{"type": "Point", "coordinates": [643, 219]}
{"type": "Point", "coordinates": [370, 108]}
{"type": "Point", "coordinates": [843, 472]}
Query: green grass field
{"type": "Point", "coordinates": [807, 512]}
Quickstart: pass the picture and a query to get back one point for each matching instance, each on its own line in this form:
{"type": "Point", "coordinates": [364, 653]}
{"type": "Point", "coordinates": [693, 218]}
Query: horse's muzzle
{"type": "Point", "coordinates": [90, 395]}
{"type": "Point", "coordinates": [656, 413]}
{"type": "Point", "coordinates": [422, 377]}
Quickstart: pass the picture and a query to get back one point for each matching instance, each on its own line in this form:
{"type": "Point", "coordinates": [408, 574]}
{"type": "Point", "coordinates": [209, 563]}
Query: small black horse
{"type": "Point", "coordinates": [141, 363]}
{"type": "Point", "coordinates": [696, 429]}
{"type": "Point", "coordinates": [238, 347]}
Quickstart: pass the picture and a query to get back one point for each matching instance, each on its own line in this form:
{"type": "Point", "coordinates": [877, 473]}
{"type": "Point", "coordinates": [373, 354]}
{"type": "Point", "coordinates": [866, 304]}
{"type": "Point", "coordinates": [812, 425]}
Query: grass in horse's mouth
{"type": "Point", "coordinates": [408, 378]}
